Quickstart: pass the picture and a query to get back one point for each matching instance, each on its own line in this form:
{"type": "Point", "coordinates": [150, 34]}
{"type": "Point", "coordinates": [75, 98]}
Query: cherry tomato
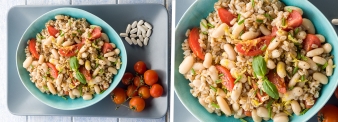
{"type": "Point", "coordinates": [107, 47]}
{"type": "Point", "coordinates": [254, 47]}
{"type": "Point", "coordinates": [150, 77]}
{"type": "Point", "coordinates": [70, 51]}
{"type": "Point", "coordinates": [144, 92]}
{"type": "Point", "coordinates": [336, 93]}
{"type": "Point", "coordinates": [138, 81]}
{"type": "Point", "coordinates": [54, 72]}
{"type": "Point", "coordinates": [328, 114]}
{"type": "Point", "coordinates": [294, 20]}
{"type": "Point", "coordinates": [227, 79]}
{"type": "Point", "coordinates": [86, 73]}
{"type": "Point", "coordinates": [274, 31]}
{"type": "Point", "coordinates": [137, 104]}
{"type": "Point", "coordinates": [309, 41]}
{"type": "Point", "coordinates": [194, 44]}
{"type": "Point", "coordinates": [118, 95]}
{"type": "Point", "coordinates": [278, 81]}
{"type": "Point", "coordinates": [52, 31]}
{"type": "Point", "coordinates": [96, 33]}
{"type": "Point", "coordinates": [225, 16]}
{"type": "Point", "coordinates": [131, 91]}
{"type": "Point", "coordinates": [32, 49]}
{"type": "Point", "coordinates": [127, 78]}
{"type": "Point", "coordinates": [140, 67]}
{"type": "Point", "coordinates": [247, 113]}
{"type": "Point", "coordinates": [156, 90]}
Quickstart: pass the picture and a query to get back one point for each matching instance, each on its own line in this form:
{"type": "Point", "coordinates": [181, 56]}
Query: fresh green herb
{"type": "Point", "coordinates": [45, 77]}
{"type": "Point", "coordinates": [218, 81]}
{"type": "Point", "coordinates": [64, 97]}
{"type": "Point", "coordinates": [215, 105]}
{"type": "Point", "coordinates": [220, 75]}
{"type": "Point", "coordinates": [80, 89]}
{"type": "Point", "coordinates": [325, 65]}
{"type": "Point", "coordinates": [270, 89]}
{"type": "Point", "coordinates": [101, 71]}
{"type": "Point", "coordinates": [60, 31]}
{"type": "Point", "coordinates": [290, 88]}
{"type": "Point", "coordinates": [295, 70]}
{"type": "Point", "coordinates": [238, 78]}
{"type": "Point", "coordinates": [205, 26]}
{"type": "Point", "coordinates": [259, 66]}
{"type": "Point", "coordinates": [73, 34]}
{"type": "Point", "coordinates": [260, 91]}
{"type": "Point", "coordinates": [32, 66]}
{"type": "Point", "coordinates": [96, 65]}
{"type": "Point", "coordinates": [296, 31]}
{"type": "Point", "coordinates": [253, 3]}
{"type": "Point", "coordinates": [102, 91]}
{"type": "Point", "coordinates": [205, 32]}
{"type": "Point", "coordinates": [241, 33]}
{"type": "Point", "coordinates": [264, 47]}
{"type": "Point", "coordinates": [80, 77]}
{"type": "Point", "coordinates": [210, 25]}
{"type": "Point", "coordinates": [302, 78]}
{"type": "Point", "coordinates": [241, 22]}
{"type": "Point", "coordinates": [255, 91]}
{"type": "Point", "coordinates": [193, 71]}
{"type": "Point", "coordinates": [298, 55]}
{"type": "Point", "coordinates": [38, 36]}
{"type": "Point", "coordinates": [242, 120]}
{"type": "Point", "coordinates": [225, 90]}
{"type": "Point", "coordinates": [268, 16]}
{"type": "Point", "coordinates": [89, 34]}
{"type": "Point", "coordinates": [62, 34]}
{"type": "Point", "coordinates": [283, 21]}
{"type": "Point", "coordinates": [78, 31]}
{"type": "Point", "coordinates": [258, 20]}
{"type": "Point", "coordinates": [304, 111]}
{"type": "Point", "coordinates": [61, 70]}
{"type": "Point", "coordinates": [46, 88]}
{"type": "Point", "coordinates": [304, 58]}
{"type": "Point", "coordinates": [289, 10]}
{"type": "Point", "coordinates": [213, 88]}
{"type": "Point", "coordinates": [239, 17]}
{"type": "Point", "coordinates": [100, 57]}
{"type": "Point", "coordinates": [74, 64]}
{"type": "Point", "coordinates": [269, 107]}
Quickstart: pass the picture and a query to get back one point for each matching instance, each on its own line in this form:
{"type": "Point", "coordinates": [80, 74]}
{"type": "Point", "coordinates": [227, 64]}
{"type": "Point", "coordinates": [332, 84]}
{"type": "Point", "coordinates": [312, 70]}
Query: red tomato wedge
{"type": "Point", "coordinates": [309, 41]}
{"type": "Point", "coordinates": [96, 33]}
{"type": "Point", "coordinates": [194, 44]}
{"type": "Point", "coordinates": [225, 16]}
{"type": "Point", "coordinates": [258, 94]}
{"type": "Point", "coordinates": [274, 31]}
{"type": "Point", "coordinates": [52, 31]}
{"type": "Point", "coordinates": [54, 72]}
{"type": "Point", "coordinates": [70, 50]}
{"type": "Point", "coordinates": [278, 81]}
{"type": "Point", "coordinates": [294, 20]}
{"type": "Point", "coordinates": [86, 73]}
{"type": "Point", "coordinates": [32, 49]}
{"type": "Point", "coordinates": [227, 79]}
{"type": "Point", "coordinates": [254, 47]}
{"type": "Point", "coordinates": [106, 47]}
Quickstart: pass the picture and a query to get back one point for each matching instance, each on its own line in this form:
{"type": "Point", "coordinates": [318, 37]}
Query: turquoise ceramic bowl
{"type": "Point", "coordinates": [54, 100]}
{"type": "Point", "coordinates": [200, 9]}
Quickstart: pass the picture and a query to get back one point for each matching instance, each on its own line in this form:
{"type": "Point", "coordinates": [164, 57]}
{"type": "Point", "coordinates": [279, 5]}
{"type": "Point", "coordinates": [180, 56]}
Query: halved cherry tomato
{"type": "Point", "coordinates": [127, 78]}
{"type": "Point", "coordinates": [106, 47]}
{"type": "Point", "coordinates": [328, 114]}
{"type": "Point", "coordinates": [336, 93]}
{"type": "Point", "coordinates": [247, 113]}
{"type": "Point", "coordinates": [54, 72]}
{"type": "Point", "coordinates": [96, 33]}
{"type": "Point", "coordinates": [309, 41]}
{"type": "Point", "coordinates": [225, 16]}
{"type": "Point", "coordinates": [52, 31]}
{"type": "Point", "coordinates": [258, 94]}
{"type": "Point", "coordinates": [32, 49]}
{"type": "Point", "coordinates": [118, 96]}
{"type": "Point", "coordinates": [86, 73]}
{"type": "Point", "coordinates": [227, 79]}
{"type": "Point", "coordinates": [274, 31]}
{"type": "Point", "coordinates": [294, 20]}
{"type": "Point", "coordinates": [194, 44]}
{"type": "Point", "coordinates": [278, 81]}
{"type": "Point", "coordinates": [70, 51]}
{"type": "Point", "coordinates": [254, 47]}
{"type": "Point", "coordinates": [156, 90]}
{"type": "Point", "coordinates": [137, 104]}
{"type": "Point", "coordinates": [140, 67]}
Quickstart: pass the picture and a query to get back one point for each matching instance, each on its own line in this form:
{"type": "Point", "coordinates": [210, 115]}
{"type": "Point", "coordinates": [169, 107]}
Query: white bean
{"type": "Point", "coordinates": [237, 29]}
{"type": "Point", "coordinates": [81, 62]}
{"type": "Point", "coordinates": [329, 68]}
{"type": "Point", "coordinates": [203, 25]}
{"type": "Point", "coordinates": [109, 54]}
{"type": "Point", "coordinates": [117, 51]}
{"type": "Point", "coordinates": [319, 60]}
{"type": "Point", "coordinates": [223, 105]}
{"type": "Point", "coordinates": [128, 40]}
{"type": "Point", "coordinates": [313, 65]}
{"type": "Point", "coordinates": [207, 60]}
{"type": "Point", "coordinates": [104, 37]}
{"type": "Point", "coordinates": [59, 17]}
{"type": "Point", "coordinates": [76, 92]}
{"type": "Point", "coordinates": [263, 29]}
{"type": "Point", "coordinates": [134, 41]}
{"type": "Point", "coordinates": [221, 93]}
{"type": "Point", "coordinates": [141, 38]}
{"type": "Point", "coordinates": [301, 35]}
{"type": "Point", "coordinates": [96, 71]}
{"type": "Point", "coordinates": [51, 88]}
{"type": "Point", "coordinates": [27, 62]}
{"type": "Point", "coordinates": [275, 53]}
{"type": "Point", "coordinates": [295, 107]}
{"type": "Point", "coordinates": [321, 38]}
{"type": "Point", "coordinates": [145, 41]}
{"type": "Point", "coordinates": [59, 79]}
{"type": "Point", "coordinates": [327, 48]}
{"type": "Point", "coordinates": [235, 105]}
{"type": "Point", "coordinates": [97, 89]}
{"type": "Point", "coordinates": [297, 91]}
{"type": "Point", "coordinates": [71, 95]}
{"type": "Point", "coordinates": [320, 77]}
{"type": "Point", "coordinates": [148, 25]}
{"type": "Point", "coordinates": [274, 44]}
{"type": "Point", "coordinates": [213, 73]}
{"type": "Point", "coordinates": [139, 42]}
{"type": "Point", "coordinates": [87, 96]}
{"type": "Point", "coordinates": [140, 22]}
{"type": "Point", "coordinates": [287, 8]}
{"type": "Point", "coordinates": [255, 117]}
{"type": "Point", "coordinates": [334, 21]}
{"type": "Point", "coordinates": [249, 35]}
{"type": "Point", "coordinates": [315, 52]}
{"type": "Point", "coordinates": [281, 69]}
{"type": "Point", "coordinates": [219, 31]}
{"type": "Point", "coordinates": [262, 112]}
{"type": "Point", "coordinates": [133, 35]}
{"type": "Point", "coordinates": [84, 55]}
{"type": "Point", "coordinates": [128, 28]}
{"type": "Point", "coordinates": [44, 67]}
{"type": "Point", "coordinates": [123, 34]}
{"type": "Point", "coordinates": [138, 32]}
{"type": "Point", "coordinates": [112, 70]}
{"type": "Point", "coordinates": [228, 63]}
{"type": "Point", "coordinates": [236, 91]}
{"type": "Point", "coordinates": [102, 62]}
{"type": "Point", "coordinates": [198, 66]}
{"type": "Point", "coordinates": [87, 65]}
{"type": "Point", "coordinates": [133, 25]}
{"type": "Point", "coordinates": [186, 64]}
{"type": "Point", "coordinates": [48, 41]}
{"type": "Point", "coordinates": [307, 24]}
{"type": "Point", "coordinates": [97, 79]}
{"type": "Point", "coordinates": [141, 28]}
{"type": "Point", "coordinates": [148, 32]}
{"type": "Point", "coordinates": [294, 80]}
{"type": "Point", "coordinates": [270, 64]}
{"type": "Point", "coordinates": [280, 118]}
{"type": "Point", "coordinates": [303, 65]}
{"type": "Point", "coordinates": [133, 31]}
{"type": "Point", "coordinates": [67, 43]}
{"type": "Point", "coordinates": [112, 59]}
{"type": "Point", "coordinates": [35, 63]}
{"type": "Point", "coordinates": [59, 39]}
{"type": "Point", "coordinates": [230, 51]}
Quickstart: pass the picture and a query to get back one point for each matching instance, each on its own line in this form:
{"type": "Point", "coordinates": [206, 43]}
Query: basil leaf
{"type": "Point", "coordinates": [74, 64]}
{"type": "Point", "coordinates": [269, 107]}
{"type": "Point", "coordinates": [213, 88]}
{"type": "Point", "coordinates": [270, 89]}
{"type": "Point", "coordinates": [80, 77]}
{"type": "Point", "coordinates": [259, 66]}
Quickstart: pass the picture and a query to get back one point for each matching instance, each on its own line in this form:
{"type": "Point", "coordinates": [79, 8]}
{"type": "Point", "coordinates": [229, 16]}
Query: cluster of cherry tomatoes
{"type": "Point", "coordinates": [141, 86]}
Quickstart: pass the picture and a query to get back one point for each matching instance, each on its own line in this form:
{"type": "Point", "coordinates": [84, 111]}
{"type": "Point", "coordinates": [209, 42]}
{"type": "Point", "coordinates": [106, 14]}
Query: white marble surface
{"type": "Point", "coordinates": [5, 115]}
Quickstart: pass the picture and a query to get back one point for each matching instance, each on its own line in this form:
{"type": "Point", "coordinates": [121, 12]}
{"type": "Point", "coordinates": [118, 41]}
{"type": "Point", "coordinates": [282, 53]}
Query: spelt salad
{"type": "Point", "coordinates": [71, 58]}
{"type": "Point", "coordinates": [256, 58]}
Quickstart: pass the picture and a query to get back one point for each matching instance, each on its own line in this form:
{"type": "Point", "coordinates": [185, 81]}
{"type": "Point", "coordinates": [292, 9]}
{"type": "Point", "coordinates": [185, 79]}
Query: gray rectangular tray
{"type": "Point", "coordinates": [155, 55]}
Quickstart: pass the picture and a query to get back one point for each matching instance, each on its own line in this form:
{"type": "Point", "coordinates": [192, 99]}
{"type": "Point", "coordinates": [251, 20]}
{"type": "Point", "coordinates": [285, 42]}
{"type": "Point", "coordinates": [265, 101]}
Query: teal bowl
{"type": "Point", "coordinates": [54, 100]}
{"type": "Point", "coordinates": [200, 9]}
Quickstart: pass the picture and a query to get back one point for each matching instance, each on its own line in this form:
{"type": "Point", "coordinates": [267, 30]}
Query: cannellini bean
{"type": "Point", "coordinates": [97, 89]}
{"type": "Point", "coordinates": [280, 118]}
{"type": "Point", "coordinates": [275, 53]}
{"type": "Point", "coordinates": [312, 64]}
{"type": "Point", "coordinates": [123, 34]}
{"type": "Point", "coordinates": [142, 29]}
{"type": "Point", "coordinates": [221, 93]}
{"type": "Point", "coordinates": [149, 31]}
{"type": "Point", "coordinates": [236, 91]}
{"type": "Point", "coordinates": [112, 59]}
{"type": "Point", "coordinates": [133, 25]}
{"type": "Point", "coordinates": [134, 41]}
{"type": "Point", "coordinates": [59, 39]}
{"type": "Point", "coordinates": [303, 65]}
{"type": "Point", "coordinates": [334, 21]}
{"type": "Point", "coordinates": [329, 68]}
{"type": "Point", "coordinates": [228, 63]}
{"type": "Point", "coordinates": [128, 40]}
{"type": "Point", "coordinates": [81, 62]}
{"type": "Point", "coordinates": [327, 48]}
{"type": "Point", "coordinates": [97, 79]}
{"type": "Point", "coordinates": [213, 73]}
{"type": "Point", "coordinates": [243, 78]}
{"type": "Point", "coordinates": [48, 41]}
{"type": "Point", "coordinates": [219, 31]}
{"type": "Point", "coordinates": [307, 24]}
{"type": "Point", "coordinates": [297, 91]}
{"type": "Point", "coordinates": [287, 8]}
{"type": "Point", "coordinates": [274, 43]}
{"type": "Point", "coordinates": [76, 92]}
{"type": "Point", "coordinates": [270, 64]}
{"type": "Point", "coordinates": [320, 77]}
{"type": "Point", "coordinates": [27, 62]}
{"type": "Point", "coordinates": [235, 106]}
{"type": "Point", "coordinates": [59, 17]}
{"type": "Point", "coordinates": [84, 55]}
{"type": "Point", "coordinates": [102, 62]}
{"type": "Point", "coordinates": [112, 70]}
{"type": "Point", "coordinates": [140, 22]}
{"type": "Point", "coordinates": [255, 117]}
{"type": "Point", "coordinates": [145, 42]}
{"type": "Point", "coordinates": [96, 71]}
{"type": "Point", "coordinates": [319, 60]}
{"type": "Point", "coordinates": [321, 38]}
{"type": "Point", "coordinates": [207, 60]}
{"type": "Point", "coordinates": [288, 96]}
{"type": "Point", "coordinates": [87, 65]}
{"type": "Point", "coordinates": [301, 35]}
{"type": "Point", "coordinates": [134, 35]}
{"type": "Point", "coordinates": [51, 88]}
{"type": "Point", "coordinates": [71, 95]}
{"type": "Point", "coordinates": [249, 35]}
{"type": "Point", "coordinates": [281, 69]}
{"type": "Point", "coordinates": [237, 29]}
{"type": "Point", "coordinates": [104, 37]}
{"type": "Point", "coordinates": [41, 59]}
{"type": "Point", "coordinates": [295, 107]}
{"type": "Point", "coordinates": [186, 64]}
{"type": "Point", "coordinates": [203, 25]}
{"type": "Point", "coordinates": [44, 67]}
{"type": "Point", "coordinates": [109, 54]}
{"type": "Point", "coordinates": [55, 54]}
{"type": "Point", "coordinates": [117, 51]}
{"type": "Point", "coordinates": [264, 30]}
{"type": "Point", "coordinates": [148, 25]}
{"type": "Point", "coordinates": [230, 51]}
{"type": "Point", "coordinates": [35, 63]}
{"type": "Point", "coordinates": [198, 66]}
{"type": "Point", "coordinates": [315, 52]}
{"type": "Point", "coordinates": [187, 33]}
{"type": "Point", "coordinates": [67, 43]}
{"type": "Point", "coordinates": [262, 112]}
{"type": "Point", "coordinates": [128, 28]}
{"type": "Point", "coordinates": [223, 105]}
{"type": "Point", "coordinates": [83, 49]}
{"type": "Point", "coordinates": [87, 96]}
{"type": "Point", "coordinates": [133, 30]}
{"type": "Point", "coordinates": [294, 80]}
{"type": "Point", "coordinates": [59, 80]}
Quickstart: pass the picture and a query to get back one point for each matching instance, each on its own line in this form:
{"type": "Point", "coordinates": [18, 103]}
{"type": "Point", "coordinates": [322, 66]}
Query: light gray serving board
{"type": "Point", "coordinates": [155, 55]}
